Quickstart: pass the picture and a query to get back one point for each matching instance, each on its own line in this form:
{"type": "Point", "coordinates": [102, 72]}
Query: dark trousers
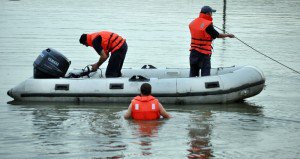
{"type": "Point", "coordinates": [116, 61]}
{"type": "Point", "coordinates": [199, 61]}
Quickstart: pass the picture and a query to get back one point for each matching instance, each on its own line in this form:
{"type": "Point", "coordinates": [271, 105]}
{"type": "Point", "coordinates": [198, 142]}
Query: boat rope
{"type": "Point", "coordinates": [260, 52]}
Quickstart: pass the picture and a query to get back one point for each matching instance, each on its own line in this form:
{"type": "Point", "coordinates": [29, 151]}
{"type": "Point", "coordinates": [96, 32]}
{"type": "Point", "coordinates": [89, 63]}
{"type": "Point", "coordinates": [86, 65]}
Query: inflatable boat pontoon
{"type": "Point", "coordinates": [169, 85]}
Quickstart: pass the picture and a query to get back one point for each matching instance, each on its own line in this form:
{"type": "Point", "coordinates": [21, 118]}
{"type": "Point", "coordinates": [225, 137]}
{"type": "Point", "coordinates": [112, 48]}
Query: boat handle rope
{"type": "Point", "coordinates": [100, 73]}
{"type": "Point", "coordinates": [260, 52]}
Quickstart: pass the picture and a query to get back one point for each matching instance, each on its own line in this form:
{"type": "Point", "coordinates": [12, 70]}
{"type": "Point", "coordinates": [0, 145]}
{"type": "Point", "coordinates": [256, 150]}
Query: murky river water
{"type": "Point", "coordinates": [264, 126]}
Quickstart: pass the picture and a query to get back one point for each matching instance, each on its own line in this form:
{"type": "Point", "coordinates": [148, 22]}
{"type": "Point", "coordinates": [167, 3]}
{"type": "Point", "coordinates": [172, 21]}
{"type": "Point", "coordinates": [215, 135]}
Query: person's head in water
{"type": "Point", "coordinates": [83, 39]}
{"type": "Point", "coordinates": [145, 89]}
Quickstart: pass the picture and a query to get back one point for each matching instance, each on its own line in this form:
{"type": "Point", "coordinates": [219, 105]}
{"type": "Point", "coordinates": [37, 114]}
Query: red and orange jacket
{"type": "Point", "coordinates": [201, 41]}
{"type": "Point", "coordinates": [110, 41]}
{"type": "Point", "coordinates": [145, 108]}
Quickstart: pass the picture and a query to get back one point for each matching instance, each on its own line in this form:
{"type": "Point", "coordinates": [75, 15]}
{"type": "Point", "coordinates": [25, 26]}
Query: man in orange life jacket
{"type": "Point", "coordinates": [105, 42]}
{"type": "Point", "coordinates": [145, 106]}
{"type": "Point", "coordinates": [203, 33]}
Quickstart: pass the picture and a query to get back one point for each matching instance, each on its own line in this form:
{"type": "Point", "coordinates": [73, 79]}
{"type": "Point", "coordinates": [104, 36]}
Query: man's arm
{"type": "Point", "coordinates": [215, 34]}
{"type": "Point", "coordinates": [127, 115]}
{"type": "Point", "coordinates": [163, 112]}
{"type": "Point", "coordinates": [103, 57]}
{"type": "Point", "coordinates": [226, 35]}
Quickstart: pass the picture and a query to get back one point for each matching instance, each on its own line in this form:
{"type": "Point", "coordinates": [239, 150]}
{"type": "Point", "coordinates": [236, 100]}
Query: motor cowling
{"type": "Point", "coordinates": [50, 64]}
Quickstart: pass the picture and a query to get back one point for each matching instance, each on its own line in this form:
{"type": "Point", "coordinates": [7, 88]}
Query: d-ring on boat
{"type": "Point", "coordinates": [169, 85]}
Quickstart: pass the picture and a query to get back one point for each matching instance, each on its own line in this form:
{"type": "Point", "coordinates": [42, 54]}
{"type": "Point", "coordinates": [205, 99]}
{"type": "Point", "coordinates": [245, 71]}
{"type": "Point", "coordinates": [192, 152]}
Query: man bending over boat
{"type": "Point", "coordinates": [145, 106]}
{"type": "Point", "coordinates": [202, 35]}
{"type": "Point", "coordinates": [105, 42]}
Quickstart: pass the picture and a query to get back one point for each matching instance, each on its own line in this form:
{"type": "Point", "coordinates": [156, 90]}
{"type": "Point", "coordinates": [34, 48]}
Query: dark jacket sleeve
{"type": "Point", "coordinates": [212, 32]}
{"type": "Point", "coordinates": [97, 44]}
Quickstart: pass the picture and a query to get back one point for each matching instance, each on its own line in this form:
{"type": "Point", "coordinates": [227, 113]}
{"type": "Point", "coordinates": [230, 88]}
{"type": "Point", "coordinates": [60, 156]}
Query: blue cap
{"type": "Point", "coordinates": [207, 9]}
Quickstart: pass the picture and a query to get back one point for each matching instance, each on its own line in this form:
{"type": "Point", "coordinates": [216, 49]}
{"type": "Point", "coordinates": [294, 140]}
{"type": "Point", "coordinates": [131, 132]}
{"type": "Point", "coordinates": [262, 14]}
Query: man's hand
{"type": "Point", "coordinates": [95, 67]}
{"type": "Point", "coordinates": [230, 35]}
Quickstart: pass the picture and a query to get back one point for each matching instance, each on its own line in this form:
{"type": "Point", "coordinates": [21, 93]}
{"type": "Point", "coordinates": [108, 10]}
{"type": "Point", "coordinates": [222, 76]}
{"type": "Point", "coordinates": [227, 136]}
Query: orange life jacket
{"type": "Point", "coordinates": [145, 108]}
{"type": "Point", "coordinates": [110, 41]}
{"type": "Point", "coordinates": [201, 41]}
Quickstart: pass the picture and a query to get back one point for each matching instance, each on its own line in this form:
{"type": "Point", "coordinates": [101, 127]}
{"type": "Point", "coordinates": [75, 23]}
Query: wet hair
{"type": "Point", "coordinates": [83, 38]}
{"type": "Point", "coordinates": [146, 89]}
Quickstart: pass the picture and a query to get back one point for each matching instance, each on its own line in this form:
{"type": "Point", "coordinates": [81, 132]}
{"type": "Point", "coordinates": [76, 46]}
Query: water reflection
{"type": "Point", "coordinates": [47, 122]}
{"type": "Point", "coordinates": [199, 134]}
{"type": "Point", "coordinates": [146, 131]}
{"type": "Point", "coordinates": [201, 126]}
{"type": "Point", "coordinates": [147, 128]}
{"type": "Point", "coordinates": [49, 118]}
{"type": "Point", "coordinates": [100, 131]}
{"type": "Point", "coordinates": [107, 124]}
{"type": "Point", "coordinates": [64, 129]}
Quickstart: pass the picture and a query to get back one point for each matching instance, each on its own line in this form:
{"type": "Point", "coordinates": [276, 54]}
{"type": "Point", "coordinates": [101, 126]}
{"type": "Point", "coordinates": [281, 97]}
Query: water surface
{"type": "Point", "coordinates": [264, 126]}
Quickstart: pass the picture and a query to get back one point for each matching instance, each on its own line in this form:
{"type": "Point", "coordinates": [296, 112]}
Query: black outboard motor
{"type": "Point", "coordinates": [50, 64]}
